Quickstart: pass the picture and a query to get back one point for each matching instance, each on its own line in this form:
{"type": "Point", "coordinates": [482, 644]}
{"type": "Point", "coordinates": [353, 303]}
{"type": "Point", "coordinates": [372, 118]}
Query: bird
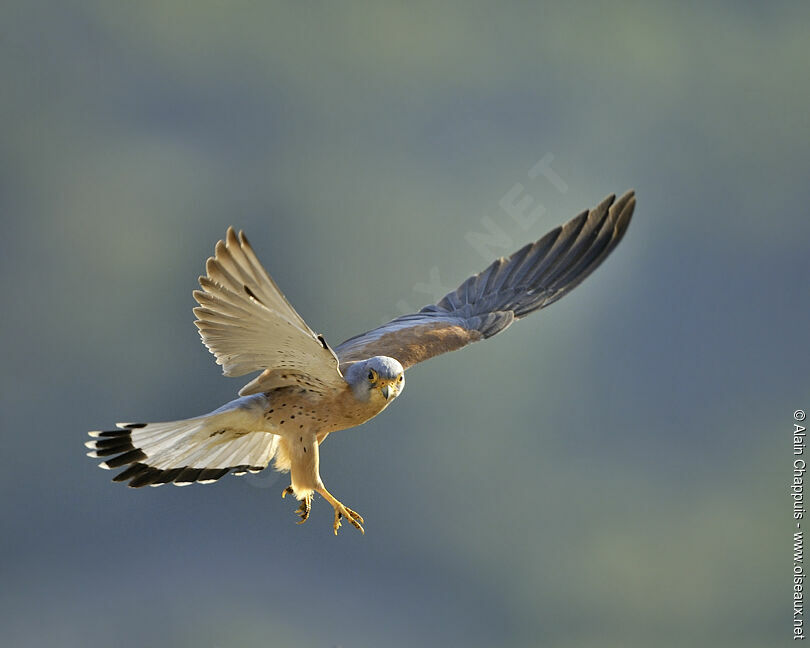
{"type": "Point", "coordinates": [307, 389]}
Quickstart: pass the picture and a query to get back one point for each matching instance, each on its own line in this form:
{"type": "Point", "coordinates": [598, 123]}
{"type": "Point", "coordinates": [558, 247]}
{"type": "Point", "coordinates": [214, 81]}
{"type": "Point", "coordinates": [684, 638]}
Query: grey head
{"type": "Point", "coordinates": [379, 376]}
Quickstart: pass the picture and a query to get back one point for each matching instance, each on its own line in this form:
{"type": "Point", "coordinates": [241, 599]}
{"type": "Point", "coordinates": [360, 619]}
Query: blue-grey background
{"type": "Point", "coordinates": [612, 471]}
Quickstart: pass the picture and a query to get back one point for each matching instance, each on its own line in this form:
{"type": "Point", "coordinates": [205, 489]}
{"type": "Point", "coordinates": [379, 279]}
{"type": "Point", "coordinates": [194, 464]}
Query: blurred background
{"type": "Point", "coordinates": [627, 484]}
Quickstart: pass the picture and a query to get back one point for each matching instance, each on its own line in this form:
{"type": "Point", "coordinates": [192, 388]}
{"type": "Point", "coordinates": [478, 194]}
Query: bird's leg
{"type": "Point", "coordinates": [306, 504]}
{"type": "Point", "coordinates": [305, 477]}
{"type": "Point", "coordinates": [353, 517]}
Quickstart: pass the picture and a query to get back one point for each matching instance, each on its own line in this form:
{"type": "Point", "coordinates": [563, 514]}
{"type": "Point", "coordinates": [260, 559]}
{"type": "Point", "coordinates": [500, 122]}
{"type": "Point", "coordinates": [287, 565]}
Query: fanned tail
{"type": "Point", "coordinates": [201, 449]}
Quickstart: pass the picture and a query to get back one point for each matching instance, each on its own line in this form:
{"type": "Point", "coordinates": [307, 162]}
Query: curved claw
{"type": "Point", "coordinates": [354, 518]}
{"type": "Point", "coordinates": [304, 509]}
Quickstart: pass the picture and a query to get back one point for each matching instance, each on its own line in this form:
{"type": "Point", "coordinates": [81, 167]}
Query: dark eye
{"type": "Point", "coordinates": [400, 378]}
{"type": "Point", "coordinates": [371, 375]}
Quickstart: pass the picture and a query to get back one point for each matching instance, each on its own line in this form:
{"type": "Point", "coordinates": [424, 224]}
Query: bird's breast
{"type": "Point", "coordinates": [291, 409]}
{"type": "Point", "coordinates": [348, 411]}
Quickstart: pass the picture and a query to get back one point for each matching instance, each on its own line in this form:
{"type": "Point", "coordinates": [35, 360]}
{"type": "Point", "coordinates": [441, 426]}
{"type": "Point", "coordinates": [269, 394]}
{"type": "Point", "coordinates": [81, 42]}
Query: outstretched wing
{"type": "Point", "coordinates": [510, 288]}
{"type": "Point", "coordinates": [248, 324]}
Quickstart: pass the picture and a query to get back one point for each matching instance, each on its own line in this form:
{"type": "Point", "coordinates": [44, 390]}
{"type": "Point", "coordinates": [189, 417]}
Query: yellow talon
{"type": "Point", "coordinates": [354, 518]}
{"type": "Point", "coordinates": [304, 509]}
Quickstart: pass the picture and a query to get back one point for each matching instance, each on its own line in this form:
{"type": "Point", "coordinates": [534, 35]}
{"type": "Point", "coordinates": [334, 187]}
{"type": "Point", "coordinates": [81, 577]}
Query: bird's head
{"type": "Point", "coordinates": [379, 377]}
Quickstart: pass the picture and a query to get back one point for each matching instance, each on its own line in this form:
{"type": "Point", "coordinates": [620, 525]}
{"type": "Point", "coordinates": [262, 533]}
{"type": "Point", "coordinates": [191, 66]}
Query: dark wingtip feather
{"type": "Point", "coordinates": [212, 474]}
{"type": "Point", "coordinates": [624, 209]}
{"type": "Point", "coordinates": [188, 475]}
{"type": "Point", "coordinates": [608, 223]}
{"type": "Point", "coordinates": [140, 474]}
{"type": "Point", "coordinates": [113, 448]}
{"type": "Point", "coordinates": [129, 457]}
{"type": "Point", "coordinates": [132, 471]}
{"type": "Point", "coordinates": [145, 478]}
{"type": "Point", "coordinates": [112, 433]}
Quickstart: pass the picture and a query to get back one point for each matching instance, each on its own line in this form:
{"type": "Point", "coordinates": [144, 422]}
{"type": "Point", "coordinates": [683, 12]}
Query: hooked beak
{"type": "Point", "coordinates": [388, 391]}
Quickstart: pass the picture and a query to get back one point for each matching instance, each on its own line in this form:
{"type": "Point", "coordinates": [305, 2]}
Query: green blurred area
{"type": "Point", "coordinates": [610, 472]}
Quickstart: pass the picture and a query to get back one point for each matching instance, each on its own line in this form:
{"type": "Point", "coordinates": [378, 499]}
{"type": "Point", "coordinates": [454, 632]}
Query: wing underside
{"type": "Point", "coordinates": [248, 324]}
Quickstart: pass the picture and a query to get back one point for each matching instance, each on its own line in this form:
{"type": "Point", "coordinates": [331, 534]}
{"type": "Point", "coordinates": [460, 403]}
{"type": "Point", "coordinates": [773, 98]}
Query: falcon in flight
{"type": "Point", "coordinates": [306, 389]}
